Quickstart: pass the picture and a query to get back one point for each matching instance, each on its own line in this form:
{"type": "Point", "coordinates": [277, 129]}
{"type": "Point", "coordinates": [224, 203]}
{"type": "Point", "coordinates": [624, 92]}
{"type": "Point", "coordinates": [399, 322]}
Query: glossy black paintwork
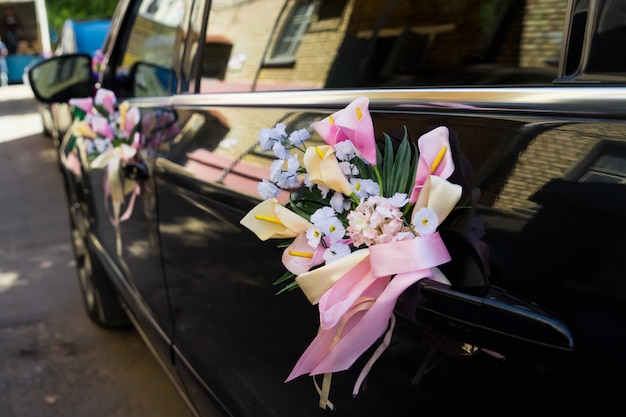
{"type": "Point", "coordinates": [548, 306]}
{"type": "Point", "coordinates": [242, 339]}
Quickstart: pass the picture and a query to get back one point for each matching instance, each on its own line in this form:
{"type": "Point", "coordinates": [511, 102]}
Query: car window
{"type": "Point", "coordinates": [319, 44]}
{"type": "Point", "coordinates": [155, 40]}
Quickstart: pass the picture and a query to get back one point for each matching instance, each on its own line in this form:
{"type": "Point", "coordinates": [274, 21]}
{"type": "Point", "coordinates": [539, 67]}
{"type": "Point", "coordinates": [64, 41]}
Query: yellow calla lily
{"type": "Point", "coordinates": [83, 129]}
{"type": "Point", "coordinates": [316, 282]}
{"type": "Point", "coordinates": [323, 168]}
{"type": "Point", "coordinates": [270, 220]}
{"type": "Point", "coordinates": [439, 195]}
{"type": "Point", "coordinates": [123, 109]}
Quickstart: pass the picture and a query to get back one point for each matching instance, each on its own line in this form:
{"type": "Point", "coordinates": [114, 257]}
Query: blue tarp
{"type": "Point", "coordinates": [90, 35]}
{"type": "Point", "coordinates": [16, 64]}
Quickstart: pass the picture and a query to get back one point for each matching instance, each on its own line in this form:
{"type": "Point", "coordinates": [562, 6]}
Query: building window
{"type": "Point", "coordinates": [293, 30]}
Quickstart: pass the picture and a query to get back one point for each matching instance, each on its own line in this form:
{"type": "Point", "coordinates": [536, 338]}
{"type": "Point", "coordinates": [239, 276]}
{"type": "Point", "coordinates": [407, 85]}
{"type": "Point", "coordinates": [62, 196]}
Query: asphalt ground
{"type": "Point", "coordinates": [53, 360]}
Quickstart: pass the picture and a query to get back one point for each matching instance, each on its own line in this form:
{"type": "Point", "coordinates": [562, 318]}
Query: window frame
{"type": "Point", "coordinates": [293, 40]}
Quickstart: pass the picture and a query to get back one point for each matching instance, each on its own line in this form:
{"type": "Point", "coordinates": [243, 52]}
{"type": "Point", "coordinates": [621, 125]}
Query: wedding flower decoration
{"type": "Point", "coordinates": [362, 225]}
{"type": "Point", "coordinates": [97, 61]}
{"type": "Point", "coordinates": [114, 134]}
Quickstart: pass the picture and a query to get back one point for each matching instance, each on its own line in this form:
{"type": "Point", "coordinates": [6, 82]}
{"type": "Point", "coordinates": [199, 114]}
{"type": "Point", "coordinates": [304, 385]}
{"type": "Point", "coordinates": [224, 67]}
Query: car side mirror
{"type": "Point", "coordinates": [60, 78]}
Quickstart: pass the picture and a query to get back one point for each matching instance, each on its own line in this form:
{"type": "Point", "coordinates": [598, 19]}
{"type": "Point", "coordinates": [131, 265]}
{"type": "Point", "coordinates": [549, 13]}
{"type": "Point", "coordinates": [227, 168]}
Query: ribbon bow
{"type": "Point", "coordinates": [116, 186]}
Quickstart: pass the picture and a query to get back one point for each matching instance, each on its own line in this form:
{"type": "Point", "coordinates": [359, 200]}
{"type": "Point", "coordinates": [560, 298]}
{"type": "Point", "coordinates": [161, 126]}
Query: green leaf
{"type": "Point", "coordinates": [398, 167]}
{"type": "Point", "coordinates": [287, 275]}
{"type": "Point", "coordinates": [78, 113]}
{"type": "Point", "coordinates": [405, 166]}
{"type": "Point", "coordinates": [71, 143]}
{"type": "Point", "coordinates": [387, 167]}
{"type": "Point", "coordinates": [366, 171]}
{"type": "Point", "coordinates": [289, 287]}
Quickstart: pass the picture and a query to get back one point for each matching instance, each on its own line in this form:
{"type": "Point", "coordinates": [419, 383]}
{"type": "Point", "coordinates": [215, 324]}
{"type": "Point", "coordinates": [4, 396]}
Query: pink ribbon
{"type": "Point", "coordinates": [117, 218]}
{"type": "Point", "coordinates": [356, 311]}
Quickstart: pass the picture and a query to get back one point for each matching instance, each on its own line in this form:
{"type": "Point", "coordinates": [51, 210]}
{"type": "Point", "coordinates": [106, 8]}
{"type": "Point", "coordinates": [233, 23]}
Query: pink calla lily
{"type": "Point", "coordinates": [132, 117]}
{"type": "Point", "coordinates": [299, 257]}
{"type": "Point", "coordinates": [352, 123]}
{"type": "Point", "coordinates": [85, 104]}
{"type": "Point", "coordinates": [435, 158]}
{"type": "Point", "coordinates": [137, 141]}
{"type": "Point", "coordinates": [105, 98]}
{"type": "Point", "coordinates": [101, 126]}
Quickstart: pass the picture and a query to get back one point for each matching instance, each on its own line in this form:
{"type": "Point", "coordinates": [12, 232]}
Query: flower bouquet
{"type": "Point", "coordinates": [361, 226]}
{"type": "Point", "coordinates": [115, 135]}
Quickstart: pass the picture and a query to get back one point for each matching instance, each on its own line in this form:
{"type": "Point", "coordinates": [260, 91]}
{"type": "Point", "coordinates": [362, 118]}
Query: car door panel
{"type": "Point", "coordinates": [224, 303]}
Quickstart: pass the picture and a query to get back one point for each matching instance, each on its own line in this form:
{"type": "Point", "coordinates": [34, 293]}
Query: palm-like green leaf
{"type": "Point", "coordinates": [398, 168]}
{"type": "Point", "coordinates": [289, 287]}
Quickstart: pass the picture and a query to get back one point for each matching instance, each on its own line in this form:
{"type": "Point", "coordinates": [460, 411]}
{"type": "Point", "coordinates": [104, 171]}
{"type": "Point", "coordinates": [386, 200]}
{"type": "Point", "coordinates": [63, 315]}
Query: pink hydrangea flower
{"type": "Point", "coordinates": [375, 220]}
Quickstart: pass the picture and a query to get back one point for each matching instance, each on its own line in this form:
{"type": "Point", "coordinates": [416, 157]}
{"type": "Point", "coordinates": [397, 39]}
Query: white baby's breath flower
{"type": "Point", "coordinates": [288, 178]}
{"type": "Point", "coordinates": [398, 200]}
{"type": "Point", "coordinates": [91, 148]}
{"type": "Point", "coordinates": [425, 221]}
{"type": "Point", "coordinates": [279, 150]}
{"type": "Point", "coordinates": [267, 190]}
{"type": "Point", "coordinates": [280, 131]}
{"type": "Point", "coordinates": [313, 235]}
{"type": "Point", "coordinates": [364, 188]}
{"type": "Point", "coordinates": [306, 180]}
{"type": "Point", "coordinates": [339, 203]}
{"type": "Point", "coordinates": [293, 164]}
{"type": "Point", "coordinates": [268, 138]}
{"type": "Point", "coordinates": [101, 144]}
{"type": "Point", "coordinates": [345, 151]}
{"type": "Point", "coordinates": [335, 252]}
{"type": "Point", "coordinates": [349, 169]}
{"type": "Point", "coordinates": [298, 137]}
{"type": "Point", "coordinates": [323, 215]}
{"type": "Point", "coordinates": [275, 168]}
{"type": "Point", "coordinates": [286, 181]}
{"type": "Point", "coordinates": [323, 190]}
{"type": "Point", "coordinates": [335, 230]}
{"type": "Point", "coordinates": [265, 139]}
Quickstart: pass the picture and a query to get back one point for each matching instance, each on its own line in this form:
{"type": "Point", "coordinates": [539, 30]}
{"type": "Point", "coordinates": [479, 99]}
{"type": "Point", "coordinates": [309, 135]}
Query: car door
{"type": "Point", "coordinates": [236, 340]}
{"type": "Point", "coordinates": [150, 32]}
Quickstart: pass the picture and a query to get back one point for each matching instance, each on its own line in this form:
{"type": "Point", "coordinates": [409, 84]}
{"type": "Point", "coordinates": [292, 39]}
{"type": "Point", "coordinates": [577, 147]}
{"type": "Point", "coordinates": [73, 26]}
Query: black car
{"type": "Point", "coordinates": [448, 240]}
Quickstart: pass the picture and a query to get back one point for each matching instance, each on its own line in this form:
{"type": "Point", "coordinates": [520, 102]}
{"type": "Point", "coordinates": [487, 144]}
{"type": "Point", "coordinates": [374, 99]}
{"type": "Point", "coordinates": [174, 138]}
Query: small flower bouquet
{"type": "Point", "coordinates": [115, 135]}
{"type": "Point", "coordinates": [361, 227]}
{"type": "Point", "coordinates": [97, 61]}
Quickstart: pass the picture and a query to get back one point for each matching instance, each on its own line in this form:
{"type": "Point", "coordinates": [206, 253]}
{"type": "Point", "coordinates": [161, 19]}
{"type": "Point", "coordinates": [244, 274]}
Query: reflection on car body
{"type": "Point", "coordinates": [539, 326]}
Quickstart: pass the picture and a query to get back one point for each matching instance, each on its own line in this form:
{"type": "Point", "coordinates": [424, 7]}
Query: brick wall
{"type": "Point", "coordinates": [543, 26]}
{"type": "Point", "coordinates": [533, 38]}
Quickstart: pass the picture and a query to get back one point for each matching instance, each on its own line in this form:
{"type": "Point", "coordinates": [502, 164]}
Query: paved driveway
{"type": "Point", "coordinates": [53, 360]}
